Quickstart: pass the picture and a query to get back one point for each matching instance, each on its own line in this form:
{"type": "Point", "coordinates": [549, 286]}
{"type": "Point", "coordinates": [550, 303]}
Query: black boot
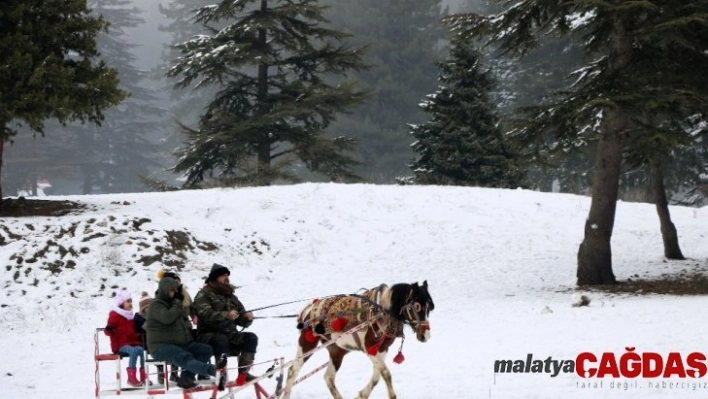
{"type": "Point", "coordinates": [222, 361]}
{"type": "Point", "coordinates": [221, 372]}
{"type": "Point", "coordinates": [186, 380]}
{"type": "Point", "coordinates": [161, 374]}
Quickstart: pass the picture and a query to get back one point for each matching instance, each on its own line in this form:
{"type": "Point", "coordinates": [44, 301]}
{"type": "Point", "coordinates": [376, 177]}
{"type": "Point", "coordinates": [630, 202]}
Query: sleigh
{"type": "Point", "coordinates": [119, 388]}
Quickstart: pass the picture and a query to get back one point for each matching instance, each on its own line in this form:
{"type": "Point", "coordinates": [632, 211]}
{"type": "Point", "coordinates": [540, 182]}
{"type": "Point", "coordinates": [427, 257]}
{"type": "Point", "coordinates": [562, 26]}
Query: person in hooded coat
{"type": "Point", "coordinates": [182, 295]}
{"type": "Point", "coordinates": [169, 336]}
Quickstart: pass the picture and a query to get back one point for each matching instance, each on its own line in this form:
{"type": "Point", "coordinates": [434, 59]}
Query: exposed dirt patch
{"type": "Point", "coordinates": [695, 284]}
{"type": "Point", "coordinates": [21, 206]}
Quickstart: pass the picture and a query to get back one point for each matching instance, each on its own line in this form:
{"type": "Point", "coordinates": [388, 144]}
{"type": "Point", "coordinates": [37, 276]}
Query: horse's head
{"type": "Point", "coordinates": [416, 309]}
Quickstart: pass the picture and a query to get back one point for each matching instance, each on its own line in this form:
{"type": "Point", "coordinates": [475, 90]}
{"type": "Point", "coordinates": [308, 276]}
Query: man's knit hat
{"type": "Point", "coordinates": [216, 271]}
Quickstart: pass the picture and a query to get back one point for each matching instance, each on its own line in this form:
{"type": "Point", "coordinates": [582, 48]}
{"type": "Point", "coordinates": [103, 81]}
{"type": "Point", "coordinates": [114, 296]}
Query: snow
{"type": "Point", "coordinates": [580, 20]}
{"type": "Point", "coordinates": [500, 265]}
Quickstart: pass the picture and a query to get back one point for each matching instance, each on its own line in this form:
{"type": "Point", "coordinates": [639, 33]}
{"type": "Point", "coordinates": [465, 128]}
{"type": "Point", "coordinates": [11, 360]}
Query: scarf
{"type": "Point", "coordinates": [221, 289]}
{"type": "Point", "coordinates": [128, 314]}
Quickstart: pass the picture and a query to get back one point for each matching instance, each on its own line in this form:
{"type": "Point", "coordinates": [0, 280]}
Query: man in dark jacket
{"type": "Point", "coordinates": [219, 315]}
{"type": "Point", "coordinates": [169, 336]}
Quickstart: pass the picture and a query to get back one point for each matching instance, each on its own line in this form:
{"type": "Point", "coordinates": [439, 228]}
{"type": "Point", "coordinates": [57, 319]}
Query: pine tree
{"type": "Point", "coordinates": [462, 143]}
{"type": "Point", "coordinates": [531, 80]}
{"type": "Point", "coordinates": [49, 66]}
{"type": "Point", "coordinates": [272, 65]}
{"type": "Point", "coordinates": [185, 104]}
{"type": "Point", "coordinates": [111, 157]}
{"type": "Point", "coordinates": [122, 148]}
{"type": "Point", "coordinates": [640, 50]}
{"type": "Point", "coordinates": [125, 144]}
{"type": "Point", "coordinates": [403, 39]}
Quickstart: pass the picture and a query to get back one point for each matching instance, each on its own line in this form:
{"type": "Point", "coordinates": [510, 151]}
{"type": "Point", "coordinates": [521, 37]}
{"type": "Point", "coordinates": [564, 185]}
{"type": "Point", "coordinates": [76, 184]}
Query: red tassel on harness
{"type": "Point", "coordinates": [373, 350]}
{"type": "Point", "coordinates": [399, 358]}
{"type": "Point", "coordinates": [310, 337]}
{"type": "Point", "coordinates": [339, 323]}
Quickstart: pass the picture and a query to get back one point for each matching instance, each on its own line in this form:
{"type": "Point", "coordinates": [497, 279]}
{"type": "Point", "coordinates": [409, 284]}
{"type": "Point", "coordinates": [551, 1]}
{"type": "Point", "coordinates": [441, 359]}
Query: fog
{"type": "Point", "coordinates": [150, 40]}
{"type": "Point", "coordinates": [138, 137]}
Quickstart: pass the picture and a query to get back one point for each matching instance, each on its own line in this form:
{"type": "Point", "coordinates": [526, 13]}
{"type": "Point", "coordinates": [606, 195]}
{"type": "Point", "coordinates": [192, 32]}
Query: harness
{"type": "Point", "coordinates": [343, 310]}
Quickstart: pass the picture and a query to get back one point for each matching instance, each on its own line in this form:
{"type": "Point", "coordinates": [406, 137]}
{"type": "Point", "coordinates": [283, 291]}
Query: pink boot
{"type": "Point", "coordinates": [132, 379]}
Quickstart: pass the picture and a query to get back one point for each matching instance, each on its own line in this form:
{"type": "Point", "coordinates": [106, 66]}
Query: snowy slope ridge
{"type": "Point", "coordinates": [500, 264]}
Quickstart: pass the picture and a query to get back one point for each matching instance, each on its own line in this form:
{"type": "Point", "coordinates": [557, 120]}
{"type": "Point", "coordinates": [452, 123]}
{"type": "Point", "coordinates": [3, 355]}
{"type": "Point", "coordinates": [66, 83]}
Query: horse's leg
{"type": "Point", "coordinates": [336, 354]}
{"type": "Point", "coordinates": [303, 346]}
{"type": "Point", "coordinates": [386, 374]}
{"type": "Point", "coordinates": [380, 369]}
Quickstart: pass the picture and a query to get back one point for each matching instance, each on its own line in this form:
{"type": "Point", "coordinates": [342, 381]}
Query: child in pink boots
{"type": "Point", "coordinates": [124, 339]}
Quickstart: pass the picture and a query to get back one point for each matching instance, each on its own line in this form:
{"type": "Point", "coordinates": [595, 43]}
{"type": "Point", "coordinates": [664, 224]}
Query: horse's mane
{"type": "Point", "coordinates": [399, 295]}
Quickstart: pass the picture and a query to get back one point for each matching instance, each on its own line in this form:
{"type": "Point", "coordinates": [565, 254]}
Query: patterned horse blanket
{"type": "Point", "coordinates": [342, 312]}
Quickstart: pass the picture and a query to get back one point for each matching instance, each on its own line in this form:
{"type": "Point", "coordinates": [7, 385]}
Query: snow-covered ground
{"type": "Point", "coordinates": [500, 265]}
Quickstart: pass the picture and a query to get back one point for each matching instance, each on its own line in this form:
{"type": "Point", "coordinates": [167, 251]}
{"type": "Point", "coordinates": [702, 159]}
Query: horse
{"type": "Point", "coordinates": [369, 322]}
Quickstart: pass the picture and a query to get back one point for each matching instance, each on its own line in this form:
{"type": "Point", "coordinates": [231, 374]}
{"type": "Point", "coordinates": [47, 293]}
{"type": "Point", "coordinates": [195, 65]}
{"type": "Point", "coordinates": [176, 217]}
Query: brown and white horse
{"type": "Point", "coordinates": [368, 322]}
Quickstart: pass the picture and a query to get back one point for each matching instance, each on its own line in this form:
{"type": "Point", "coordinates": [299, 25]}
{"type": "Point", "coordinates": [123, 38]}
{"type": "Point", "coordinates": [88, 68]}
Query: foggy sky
{"type": "Point", "coordinates": [152, 42]}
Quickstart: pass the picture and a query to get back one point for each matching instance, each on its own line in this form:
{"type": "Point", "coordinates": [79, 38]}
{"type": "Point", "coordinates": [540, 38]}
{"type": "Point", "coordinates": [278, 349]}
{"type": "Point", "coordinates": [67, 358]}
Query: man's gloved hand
{"type": "Point", "coordinates": [178, 294]}
{"type": "Point", "coordinates": [110, 329]}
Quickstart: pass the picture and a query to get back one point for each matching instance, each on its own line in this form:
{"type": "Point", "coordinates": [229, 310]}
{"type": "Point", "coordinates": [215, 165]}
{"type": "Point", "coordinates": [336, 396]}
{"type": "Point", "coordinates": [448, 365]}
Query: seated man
{"type": "Point", "coordinates": [169, 336]}
{"type": "Point", "coordinates": [219, 315]}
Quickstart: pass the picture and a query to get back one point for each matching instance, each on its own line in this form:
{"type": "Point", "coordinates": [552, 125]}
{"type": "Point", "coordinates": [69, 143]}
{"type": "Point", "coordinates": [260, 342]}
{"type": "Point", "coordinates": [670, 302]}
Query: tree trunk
{"type": "Point", "coordinates": [668, 230]}
{"type": "Point", "coordinates": [2, 152]}
{"type": "Point", "coordinates": [595, 252]}
{"type": "Point", "coordinates": [88, 181]}
{"type": "Point", "coordinates": [264, 144]}
{"type": "Point", "coordinates": [33, 182]}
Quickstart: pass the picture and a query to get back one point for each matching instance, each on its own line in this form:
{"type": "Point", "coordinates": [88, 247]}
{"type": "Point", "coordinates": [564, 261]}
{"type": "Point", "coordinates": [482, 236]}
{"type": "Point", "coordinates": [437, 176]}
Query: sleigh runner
{"type": "Point", "coordinates": [367, 322]}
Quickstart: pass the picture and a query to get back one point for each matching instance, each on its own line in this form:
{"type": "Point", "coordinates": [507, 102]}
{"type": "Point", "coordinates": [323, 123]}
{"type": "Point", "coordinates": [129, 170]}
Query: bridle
{"type": "Point", "coordinates": [410, 313]}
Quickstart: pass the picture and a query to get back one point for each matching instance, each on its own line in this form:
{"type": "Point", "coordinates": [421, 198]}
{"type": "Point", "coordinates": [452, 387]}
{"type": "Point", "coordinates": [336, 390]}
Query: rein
{"type": "Point", "coordinates": [284, 316]}
{"type": "Point", "coordinates": [281, 304]}
{"type": "Point", "coordinates": [377, 308]}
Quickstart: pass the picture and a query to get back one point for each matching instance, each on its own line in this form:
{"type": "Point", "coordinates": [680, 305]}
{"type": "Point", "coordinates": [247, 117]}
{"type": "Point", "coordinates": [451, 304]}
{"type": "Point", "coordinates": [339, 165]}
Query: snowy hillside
{"type": "Point", "coordinates": [500, 265]}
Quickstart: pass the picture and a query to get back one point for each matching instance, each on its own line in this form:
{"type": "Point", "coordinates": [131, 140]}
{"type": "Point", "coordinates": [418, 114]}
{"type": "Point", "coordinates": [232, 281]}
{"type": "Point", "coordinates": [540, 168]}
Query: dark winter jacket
{"type": "Point", "coordinates": [167, 323]}
{"type": "Point", "coordinates": [212, 308]}
{"type": "Point", "coordinates": [139, 322]}
{"type": "Point", "coordinates": [140, 327]}
{"type": "Point", "coordinates": [121, 331]}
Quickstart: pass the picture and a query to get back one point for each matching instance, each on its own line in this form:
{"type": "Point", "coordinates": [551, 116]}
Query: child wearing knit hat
{"type": "Point", "coordinates": [139, 320]}
{"type": "Point", "coordinates": [124, 338]}
{"type": "Point", "coordinates": [140, 317]}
